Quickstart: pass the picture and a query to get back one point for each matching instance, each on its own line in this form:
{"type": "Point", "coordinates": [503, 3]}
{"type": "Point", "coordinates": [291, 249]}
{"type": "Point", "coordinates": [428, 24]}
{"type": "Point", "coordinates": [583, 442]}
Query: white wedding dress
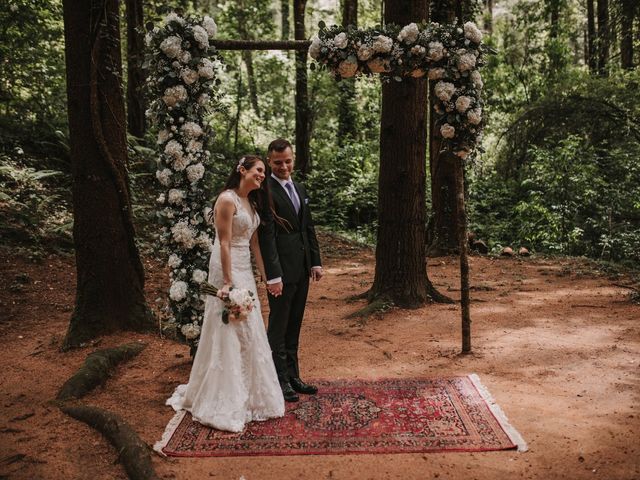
{"type": "Point", "coordinates": [233, 380]}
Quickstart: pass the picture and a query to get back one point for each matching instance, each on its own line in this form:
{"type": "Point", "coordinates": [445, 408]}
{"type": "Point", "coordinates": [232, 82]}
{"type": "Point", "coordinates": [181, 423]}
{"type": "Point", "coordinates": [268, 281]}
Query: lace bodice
{"type": "Point", "coordinates": [245, 221]}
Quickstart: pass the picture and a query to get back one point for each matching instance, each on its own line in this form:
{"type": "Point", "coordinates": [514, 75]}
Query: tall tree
{"type": "Point", "coordinates": [603, 36]}
{"type": "Point", "coordinates": [110, 276]}
{"type": "Point", "coordinates": [347, 109]}
{"type": "Point", "coordinates": [400, 253]}
{"type": "Point", "coordinates": [135, 73]}
{"type": "Point", "coordinates": [626, 42]}
{"type": "Point", "coordinates": [302, 96]}
{"type": "Point", "coordinates": [284, 19]}
{"type": "Point", "coordinates": [592, 59]}
{"type": "Point", "coordinates": [443, 223]}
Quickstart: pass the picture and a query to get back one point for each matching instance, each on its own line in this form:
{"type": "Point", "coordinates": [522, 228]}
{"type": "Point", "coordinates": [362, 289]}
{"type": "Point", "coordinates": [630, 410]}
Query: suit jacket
{"type": "Point", "coordinates": [290, 250]}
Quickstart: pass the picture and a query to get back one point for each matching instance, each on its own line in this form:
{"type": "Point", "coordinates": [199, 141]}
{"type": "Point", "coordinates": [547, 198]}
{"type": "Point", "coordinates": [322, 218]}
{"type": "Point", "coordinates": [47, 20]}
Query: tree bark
{"type": "Point", "coordinates": [110, 277]}
{"type": "Point", "coordinates": [465, 300]}
{"type": "Point", "coordinates": [488, 16]}
{"type": "Point", "coordinates": [626, 42]}
{"type": "Point", "coordinates": [400, 253]}
{"type": "Point", "coordinates": [284, 19]}
{"type": "Point", "coordinates": [591, 38]}
{"type": "Point", "coordinates": [347, 108]}
{"type": "Point", "coordinates": [442, 236]}
{"type": "Point", "coordinates": [135, 73]}
{"type": "Point", "coordinates": [303, 156]}
{"type": "Point", "coordinates": [603, 36]}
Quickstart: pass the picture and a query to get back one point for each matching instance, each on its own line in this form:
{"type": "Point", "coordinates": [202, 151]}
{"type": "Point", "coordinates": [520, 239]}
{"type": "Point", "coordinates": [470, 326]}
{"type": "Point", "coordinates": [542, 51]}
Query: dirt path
{"type": "Point", "coordinates": [556, 344]}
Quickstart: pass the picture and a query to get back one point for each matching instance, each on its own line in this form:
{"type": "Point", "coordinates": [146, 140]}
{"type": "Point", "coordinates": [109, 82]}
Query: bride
{"type": "Point", "coordinates": [233, 380]}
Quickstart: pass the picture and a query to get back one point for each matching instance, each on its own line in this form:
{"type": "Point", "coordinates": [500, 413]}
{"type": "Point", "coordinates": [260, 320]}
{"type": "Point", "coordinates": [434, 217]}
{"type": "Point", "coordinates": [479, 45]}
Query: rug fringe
{"type": "Point", "coordinates": [168, 432]}
{"type": "Point", "coordinates": [513, 434]}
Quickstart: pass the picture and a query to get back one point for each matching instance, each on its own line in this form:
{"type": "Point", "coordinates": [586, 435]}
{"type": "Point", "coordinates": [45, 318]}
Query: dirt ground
{"type": "Point", "coordinates": [555, 341]}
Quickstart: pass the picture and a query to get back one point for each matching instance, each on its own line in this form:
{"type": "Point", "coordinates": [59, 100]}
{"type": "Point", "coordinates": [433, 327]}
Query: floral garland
{"type": "Point", "coordinates": [183, 71]}
{"type": "Point", "coordinates": [448, 53]}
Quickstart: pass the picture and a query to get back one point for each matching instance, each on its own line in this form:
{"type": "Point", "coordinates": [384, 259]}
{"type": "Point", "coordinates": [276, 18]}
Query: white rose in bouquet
{"type": "Point", "coordinates": [164, 176]}
{"type": "Point", "coordinates": [195, 172]}
{"type": "Point", "coordinates": [171, 46]}
{"type": "Point", "coordinates": [436, 73]}
{"type": "Point", "coordinates": [447, 131]}
{"type": "Point", "coordinates": [365, 52]}
{"type": "Point", "coordinates": [436, 51]}
{"type": "Point", "coordinates": [199, 276]}
{"type": "Point", "coordinates": [201, 36]}
{"type": "Point", "coordinates": [210, 26]}
{"type": "Point", "coordinates": [409, 33]}
{"type": "Point", "coordinates": [476, 79]}
{"type": "Point", "coordinates": [472, 32]}
{"type": "Point", "coordinates": [341, 40]}
{"type": "Point", "coordinates": [463, 103]}
{"type": "Point", "coordinates": [444, 90]}
{"type": "Point", "coordinates": [475, 116]}
{"type": "Point", "coordinates": [178, 291]}
{"type": "Point", "coordinates": [189, 76]}
{"type": "Point", "coordinates": [382, 44]}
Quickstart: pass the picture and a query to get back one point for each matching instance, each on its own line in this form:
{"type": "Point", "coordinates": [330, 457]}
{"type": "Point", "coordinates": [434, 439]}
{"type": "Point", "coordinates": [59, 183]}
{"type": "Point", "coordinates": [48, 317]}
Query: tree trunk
{"type": "Point", "coordinates": [247, 57]}
{"type": "Point", "coordinates": [442, 237]}
{"type": "Point", "coordinates": [347, 108]}
{"type": "Point", "coordinates": [110, 277]}
{"type": "Point", "coordinates": [465, 301]}
{"type": "Point", "coordinates": [591, 38]}
{"type": "Point", "coordinates": [488, 16]}
{"type": "Point", "coordinates": [303, 157]}
{"type": "Point", "coordinates": [400, 253]}
{"type": "Point", "coordinates": [626, 42]}
{"type": "Point", "coordinates": [603, 36]}
{"type": "Point", "coordinates": [135, 72]}
{"type": "Point", "coordinates": [284, 17]}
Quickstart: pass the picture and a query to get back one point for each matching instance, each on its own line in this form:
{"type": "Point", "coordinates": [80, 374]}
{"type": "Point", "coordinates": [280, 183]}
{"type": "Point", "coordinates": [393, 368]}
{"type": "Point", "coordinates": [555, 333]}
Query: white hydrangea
{"type": "Point", "coordinates": [195, 172]}
{"type": "Point", "coordinates": [348, 67]}
{"type": "Point", "coordinates": [379, 65]}
{"type": "Point", "coordinates": [382, 44]}
{"type": "Point", "coordinates": [191, 331]}
{"type": "Point", "coordinates": [161, 198]}
{"type": "Point", "coordinates": [365, 52]}
{"type": "Point", "coordinates": [201, 36]}
{"type": "Point", "coordinates": [178, 291]}
{"type": "Point", "coordinates": [314, 48]}
{"type": "Point", "coordinates": [164, 176]}
{"type": "Point", "coordinates": [204, 241]}
{"type": "Point", "coordinates": [474, 116]}
{"type": "Point", "coordinates": [436, 51]}
{"type": "Point", "coordinates": [194, 146]}
{"type": "Point", "coordinates": [472, 32]}
{"type": "Point", "coordinates": [466, 61]}
{"type": "Point", "coordinates": [476, 79]}
{"type": "Point", "coordinates": [191, 130]}
{"type": "Point", "coordinates": [183, 234]}
{"type": "Point", "coordinates": [210, 26]}
{"type": "Point", "coordinates": [176, 196]}
{"type": "Point", "coordinates": [174, 95]}
{"type": "Point", "coordinates": [163, 136]}
{"type": "Point", "coordinates": [418, 50]}
{"type": "Point", "coordinates": [198, 275]}
{"type": "Point", "coordinates": [436, 73]}
{"type": "Point", "coordinates": [444, 90]}
{"type": "Point", "coordinates": [173, 17]}
{"type": "Point", "coordinates": [341, 40]}
{"type": "Point", "coordinates": [205, 68]}
{"type": "Point", "coordinates": [189, 76]}
{"type": "Point", "coordinates": [185, 57]}
{"type": "Point", "coordinates": [180, 163]}
{"type": "Point", "coordinates": [203, 99]}
{"type": "Point", "coordinates": [409, 33]}
{"type": "Point", "coordinates": [173, 148]}
{"type": "Point", "coordinates": [463, 103]}
{"type": "Point", "coordinates": [447, 131]}
{"type": "Point", "coordinates": [174, 261]}
{"type": "Point", "coordinates": [171, 46]}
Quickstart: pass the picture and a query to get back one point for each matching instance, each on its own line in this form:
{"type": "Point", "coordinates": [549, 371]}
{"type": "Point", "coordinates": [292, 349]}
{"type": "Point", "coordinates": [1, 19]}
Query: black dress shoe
{"type": "Point", "coordinates": [301, 387]}
{"type": "Point", "coordinates": [289, 393]}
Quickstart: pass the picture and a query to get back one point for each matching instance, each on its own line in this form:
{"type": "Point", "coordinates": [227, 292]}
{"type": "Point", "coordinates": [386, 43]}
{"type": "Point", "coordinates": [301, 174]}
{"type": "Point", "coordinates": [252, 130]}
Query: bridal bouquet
{"type": "Point", "coordinates": [237, 304]}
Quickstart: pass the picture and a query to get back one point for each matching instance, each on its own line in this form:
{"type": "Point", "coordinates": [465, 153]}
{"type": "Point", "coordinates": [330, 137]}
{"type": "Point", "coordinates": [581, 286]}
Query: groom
{"type": "Point", "coordinates": [291, 257]}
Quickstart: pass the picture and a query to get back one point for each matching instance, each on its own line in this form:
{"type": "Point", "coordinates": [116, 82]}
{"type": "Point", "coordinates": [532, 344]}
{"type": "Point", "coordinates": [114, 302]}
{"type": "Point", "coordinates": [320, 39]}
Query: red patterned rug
{"type": "Point", "coordinates": [362, 416]}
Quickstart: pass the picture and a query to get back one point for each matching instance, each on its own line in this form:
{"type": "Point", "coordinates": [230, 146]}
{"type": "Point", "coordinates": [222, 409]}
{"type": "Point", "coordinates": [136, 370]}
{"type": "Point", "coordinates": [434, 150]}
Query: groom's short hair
{"type": "Point", "coordinates": [279, 145]}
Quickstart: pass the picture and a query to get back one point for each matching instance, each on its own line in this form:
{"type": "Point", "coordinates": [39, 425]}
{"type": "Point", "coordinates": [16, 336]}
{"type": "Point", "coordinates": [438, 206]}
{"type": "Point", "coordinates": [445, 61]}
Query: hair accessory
{"type": "Point", "coordinates": [240, 164]}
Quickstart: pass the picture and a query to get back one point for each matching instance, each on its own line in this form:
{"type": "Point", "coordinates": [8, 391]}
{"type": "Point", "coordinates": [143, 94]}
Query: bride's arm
{"type": "Point", "coordinates": [224, 211]}
{"type": "Point", "coordinates": [257, 254]}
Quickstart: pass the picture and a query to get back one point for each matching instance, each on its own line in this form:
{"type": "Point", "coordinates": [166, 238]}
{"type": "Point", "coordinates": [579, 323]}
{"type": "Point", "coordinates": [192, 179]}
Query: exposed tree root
{"type": "Point", "coordinates": [380, 304]}
{"type": "Point", "coordinates": [436, 296]}
{"type": "Point", "coordinates": [96, 369]}
{"type": "Point", "coordinates": [133, 453]}
{"type": "Point", "coordinates": [359, 296]}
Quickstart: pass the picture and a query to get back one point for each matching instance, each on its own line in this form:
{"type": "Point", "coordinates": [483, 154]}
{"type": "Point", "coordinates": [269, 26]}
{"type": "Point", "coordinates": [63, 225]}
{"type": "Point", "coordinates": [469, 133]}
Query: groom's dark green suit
{"type": "Point", "coordinates": [289, 249]}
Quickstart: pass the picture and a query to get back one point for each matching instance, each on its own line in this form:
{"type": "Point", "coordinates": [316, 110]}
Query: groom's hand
{"type": "Point", "coordinates": [316, 273]}
{"type": "Point", "coordinates": [275, 289]}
